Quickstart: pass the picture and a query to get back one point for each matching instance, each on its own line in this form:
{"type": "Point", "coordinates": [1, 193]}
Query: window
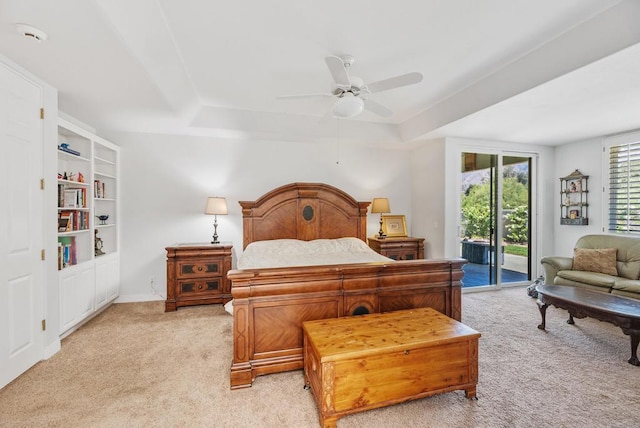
{"type": "Point", "coordinates": [624, 184]}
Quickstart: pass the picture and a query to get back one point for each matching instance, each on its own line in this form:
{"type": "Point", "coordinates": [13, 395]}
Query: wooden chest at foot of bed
{"type": "Point", "coordinates": [359, 363]}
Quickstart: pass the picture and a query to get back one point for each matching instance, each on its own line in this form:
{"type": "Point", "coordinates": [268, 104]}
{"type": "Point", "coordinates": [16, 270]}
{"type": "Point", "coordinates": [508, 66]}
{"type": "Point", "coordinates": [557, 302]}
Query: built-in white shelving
{"type": "Point", "coordinates": [88, 229]}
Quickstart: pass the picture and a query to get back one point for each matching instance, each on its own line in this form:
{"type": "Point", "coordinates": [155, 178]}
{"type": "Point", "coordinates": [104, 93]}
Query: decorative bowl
{"type": "Point", "coordinates": [103, 218]}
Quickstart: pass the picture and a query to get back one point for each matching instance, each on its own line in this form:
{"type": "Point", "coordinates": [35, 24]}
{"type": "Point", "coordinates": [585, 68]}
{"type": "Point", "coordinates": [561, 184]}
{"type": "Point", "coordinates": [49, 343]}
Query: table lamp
{"type": "Point", "coordinates": [216, 206]}
{"type": "Point", "coordinates": [380, 205]}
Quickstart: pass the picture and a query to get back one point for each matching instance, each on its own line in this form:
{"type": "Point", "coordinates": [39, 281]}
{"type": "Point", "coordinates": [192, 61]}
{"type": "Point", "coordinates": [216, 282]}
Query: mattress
{"type": "Point", "coordinates": [294, 252]}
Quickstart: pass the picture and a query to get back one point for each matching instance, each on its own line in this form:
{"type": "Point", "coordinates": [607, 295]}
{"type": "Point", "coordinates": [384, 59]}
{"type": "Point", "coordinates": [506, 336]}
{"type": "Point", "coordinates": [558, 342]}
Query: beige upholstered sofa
{"type": "Point", "coordinates": [607, 263]}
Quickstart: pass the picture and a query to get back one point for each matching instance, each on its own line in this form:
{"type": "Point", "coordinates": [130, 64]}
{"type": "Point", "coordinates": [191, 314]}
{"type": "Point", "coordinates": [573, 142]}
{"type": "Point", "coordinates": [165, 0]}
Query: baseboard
{"type": "Point", "coordinates": [131, 298]}
{"type": "Point", "coordinates": [51, 349]}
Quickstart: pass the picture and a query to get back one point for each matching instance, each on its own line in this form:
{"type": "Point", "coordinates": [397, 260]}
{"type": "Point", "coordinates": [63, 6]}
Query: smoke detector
{"type": "Point", "coordinates": [32, 32]}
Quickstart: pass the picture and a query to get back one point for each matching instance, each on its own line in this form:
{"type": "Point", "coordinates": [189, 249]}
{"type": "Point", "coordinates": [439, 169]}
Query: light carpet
{"type": "Point", "coordinates": [137, 366]}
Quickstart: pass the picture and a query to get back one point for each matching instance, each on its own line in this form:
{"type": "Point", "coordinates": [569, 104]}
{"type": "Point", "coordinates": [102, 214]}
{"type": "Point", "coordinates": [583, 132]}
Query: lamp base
{"type": "Point", "coordinates": [215, 230]}
{"type": "Point", "coordinates": [381, 234]}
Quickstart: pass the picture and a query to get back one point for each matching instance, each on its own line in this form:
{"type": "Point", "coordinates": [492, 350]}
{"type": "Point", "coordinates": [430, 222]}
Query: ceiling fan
{"type": "Point", "coordinates": [352, 93]}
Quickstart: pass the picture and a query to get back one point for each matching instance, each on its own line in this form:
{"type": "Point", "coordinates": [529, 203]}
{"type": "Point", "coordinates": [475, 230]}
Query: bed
{"type": "Point", "coordinates": [270, 303]}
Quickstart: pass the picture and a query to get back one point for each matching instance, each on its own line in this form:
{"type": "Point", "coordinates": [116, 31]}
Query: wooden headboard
{"type": "Point", "coordinates": [304, 211]}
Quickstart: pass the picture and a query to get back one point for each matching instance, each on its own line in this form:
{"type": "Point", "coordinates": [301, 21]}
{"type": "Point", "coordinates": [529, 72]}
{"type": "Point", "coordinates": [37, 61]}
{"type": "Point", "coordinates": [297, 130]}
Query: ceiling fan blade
{"type": "Point", "coordinates": [376, 108]}
{"type": "Point", "coordinates": [338, 71]}
{"type": "Point", "coordinates": [395, 82]}
{"type": "Point", "coordinates": [304, 96]}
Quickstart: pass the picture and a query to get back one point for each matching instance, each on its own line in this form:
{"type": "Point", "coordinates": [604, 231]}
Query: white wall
{"type": "Point", "coordinates": [585, 156]}
{"type": "Point", "coordinates": [166, 180]}
{"type": "Point", "coordinates": [428, 193]}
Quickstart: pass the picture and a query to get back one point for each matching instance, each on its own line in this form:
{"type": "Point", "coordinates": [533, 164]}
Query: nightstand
{"type": "Point", "coordinates": [406, 248]}
{"type": "Point", "coordinates": [197, 274]}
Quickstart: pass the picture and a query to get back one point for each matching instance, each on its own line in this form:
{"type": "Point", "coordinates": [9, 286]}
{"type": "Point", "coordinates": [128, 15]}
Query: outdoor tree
{"type": "Point", "coordinates": [518, 225]}
{"type": "Point", "coordinates": [476, 218]}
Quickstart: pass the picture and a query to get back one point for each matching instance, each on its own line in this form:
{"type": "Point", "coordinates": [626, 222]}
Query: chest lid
{"type": "Point", "coordinates": [358, 336]}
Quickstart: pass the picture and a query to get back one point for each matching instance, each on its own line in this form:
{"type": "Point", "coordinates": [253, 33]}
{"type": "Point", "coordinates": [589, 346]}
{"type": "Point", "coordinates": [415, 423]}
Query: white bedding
{"type": "Point", "coordinates": [293, 252]}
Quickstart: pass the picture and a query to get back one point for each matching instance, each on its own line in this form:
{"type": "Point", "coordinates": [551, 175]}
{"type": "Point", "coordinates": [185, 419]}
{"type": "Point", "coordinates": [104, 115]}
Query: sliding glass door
{"type": "Point", "coordinates": [494, 232]}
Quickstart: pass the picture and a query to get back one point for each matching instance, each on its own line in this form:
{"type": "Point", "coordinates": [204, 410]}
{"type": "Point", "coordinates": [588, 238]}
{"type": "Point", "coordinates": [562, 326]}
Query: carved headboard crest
{"type": "Point", "coordinates": [304, 211]}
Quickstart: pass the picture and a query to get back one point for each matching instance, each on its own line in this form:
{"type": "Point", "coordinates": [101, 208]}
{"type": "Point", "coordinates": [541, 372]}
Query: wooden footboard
{"type": "Point", "coordinates": [270, 305]}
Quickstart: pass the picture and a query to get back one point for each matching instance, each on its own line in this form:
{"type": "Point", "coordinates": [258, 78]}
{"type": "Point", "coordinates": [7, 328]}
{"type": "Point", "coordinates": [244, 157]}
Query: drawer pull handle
{"type": "Point", "coordinates": [406, 352]}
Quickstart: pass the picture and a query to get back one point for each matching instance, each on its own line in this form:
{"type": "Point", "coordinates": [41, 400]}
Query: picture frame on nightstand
{"type": "Point", "coordinates": [394, 226]}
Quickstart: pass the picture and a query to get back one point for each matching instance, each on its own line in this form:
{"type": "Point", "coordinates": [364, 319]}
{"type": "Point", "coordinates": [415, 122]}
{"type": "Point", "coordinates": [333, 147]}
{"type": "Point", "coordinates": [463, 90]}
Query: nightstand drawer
{"type": "Point", "coordinates": [395, 254]}
{"type": "Point", "coordinates": [193, 287]}
{"type": "Point", "coordinates": [400, 248]}
{"type": "Point", "coordinates": [394, 245]}
{"type": "Point", "coordinates": [198, 268]}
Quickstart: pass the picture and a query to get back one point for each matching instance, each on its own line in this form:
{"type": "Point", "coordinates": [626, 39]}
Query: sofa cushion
{"type": "Point", "coordinates": [621, 293]}
{"type": "Point", "coordinates": [627, 285]}
{"type": "Point", "coordinates": [628, 251]}
{"type": "Point", "coordinates": [561, 281]}
{"type": "Point", "coordinates": [601, 260]}
{"type": "Point", "coordinates": [576, 277]}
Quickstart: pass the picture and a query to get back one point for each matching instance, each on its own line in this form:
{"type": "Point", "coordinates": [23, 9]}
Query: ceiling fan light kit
{"type": "Point", "coordinates": [348, 106]}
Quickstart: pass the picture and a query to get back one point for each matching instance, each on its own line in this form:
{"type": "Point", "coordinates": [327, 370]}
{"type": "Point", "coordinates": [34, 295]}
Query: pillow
{"type": "Point", "coordinates": [601, 260]}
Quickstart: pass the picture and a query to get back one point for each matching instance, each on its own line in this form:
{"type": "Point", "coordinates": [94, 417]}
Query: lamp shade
{"type": "Point", "coordinates": [348, 106]}
{"type": "Point", "coordinates": [215, 205]}
{"type": "Point", "coordinates": [380, 205]}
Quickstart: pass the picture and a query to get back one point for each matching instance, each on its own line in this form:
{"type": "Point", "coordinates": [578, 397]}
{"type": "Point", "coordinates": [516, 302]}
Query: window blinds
{"type": "Point", "coordinates": [624, 188]}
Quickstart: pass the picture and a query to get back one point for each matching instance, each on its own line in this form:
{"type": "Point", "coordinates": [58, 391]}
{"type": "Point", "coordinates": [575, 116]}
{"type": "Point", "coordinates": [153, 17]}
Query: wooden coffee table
{"type": "Point", "coordinates": [620, 311]}
{"type": "Point", "coordinates": [363, 362]}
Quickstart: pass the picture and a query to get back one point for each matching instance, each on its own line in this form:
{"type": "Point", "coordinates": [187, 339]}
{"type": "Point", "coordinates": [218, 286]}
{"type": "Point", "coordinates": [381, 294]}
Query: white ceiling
{"type": "Point", "coordinates": [523, 71]}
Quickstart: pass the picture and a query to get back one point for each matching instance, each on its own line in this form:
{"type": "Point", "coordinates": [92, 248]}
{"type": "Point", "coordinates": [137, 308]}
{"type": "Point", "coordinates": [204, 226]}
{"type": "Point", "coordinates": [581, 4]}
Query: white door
{"type": "Point", "coordinates": [21, 220]}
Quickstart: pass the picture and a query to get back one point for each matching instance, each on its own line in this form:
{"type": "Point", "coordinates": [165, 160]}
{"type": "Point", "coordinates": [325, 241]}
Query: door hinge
{"type": "Point", "coordinates": [44, 325]}
{"type": "Point", "coordinates": [41, 113]}
{"type": "Point", "coordinates": [42, 184]}
{"type": "Point", "coordinates": [42, 254]}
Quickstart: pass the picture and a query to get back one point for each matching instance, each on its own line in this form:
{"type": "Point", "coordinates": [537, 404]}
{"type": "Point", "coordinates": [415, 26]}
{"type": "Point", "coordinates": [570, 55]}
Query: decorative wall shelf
{"type": "Point", "coordinates": [574, 202]}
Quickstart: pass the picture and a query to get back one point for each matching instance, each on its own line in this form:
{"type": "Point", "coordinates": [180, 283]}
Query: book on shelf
{"type": "Point", "coordinates": [69, 199]}
{"type": "Point", "coordinates": [64, 223]}
{"type": "Point", "coordinates": [74, 198]}
{"type": "Point", "coordinates": [67, 255]}
{"type": "Point", "coordinates": [60, 256]}
{"type": "Point", "coordinates": [70, 220]}
{"type": "Point", "coordinates": [64, 147]}
{"type": "Point", "coordinates": [60, 195]}
{"type": "Point", "coordinates": [98, 189]}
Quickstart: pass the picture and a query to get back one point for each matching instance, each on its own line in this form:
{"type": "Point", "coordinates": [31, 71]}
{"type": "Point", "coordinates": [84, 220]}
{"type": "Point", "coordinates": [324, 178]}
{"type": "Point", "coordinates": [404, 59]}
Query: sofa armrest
{"type": "Point", "coordinates": [553, 264]}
